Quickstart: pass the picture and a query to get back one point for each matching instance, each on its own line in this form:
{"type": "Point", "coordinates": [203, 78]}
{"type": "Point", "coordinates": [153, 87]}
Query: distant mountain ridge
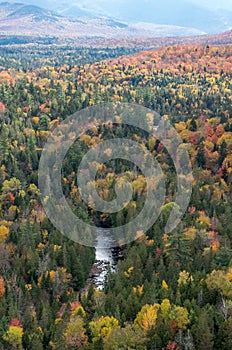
{"type": "Point", "coordinates": [18, 10]}
{"type": "Point", "coordinates": [37, 12]}
{"type": "Point", "coordinates": [182, 13]}
{"type": "Point", "coordinates": [19, 19]}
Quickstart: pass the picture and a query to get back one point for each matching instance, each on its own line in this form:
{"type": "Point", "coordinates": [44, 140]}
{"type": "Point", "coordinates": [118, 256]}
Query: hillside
{"type": "Point", "coordinates": [208, 16]}
{"type": "Point", "coordinates": [170, 290]}
{"type": "Point", "coordinates": [156, 42]}
{"type": "Point", "coordinates": [29, 20]}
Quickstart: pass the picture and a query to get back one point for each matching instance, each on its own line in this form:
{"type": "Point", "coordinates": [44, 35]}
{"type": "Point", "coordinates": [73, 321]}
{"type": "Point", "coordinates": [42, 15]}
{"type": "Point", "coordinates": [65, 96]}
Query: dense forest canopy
{"type": "Point", "coordinates": [171, 291]}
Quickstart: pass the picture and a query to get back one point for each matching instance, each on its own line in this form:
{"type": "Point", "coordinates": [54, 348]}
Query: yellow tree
{"type": "Point", "coordinates": [2, 288]}
{"type": "Point", "coordinates": [179, 314]}
{"type": "Point", "coordinates": [146, 317]}
{"type": "Point", "coordinates": [11, 185]}
{"type": "Point", "coordinates": [220, 281]}
{"type": "Point", "coordinates": [103, 326]}
{"type": "Point", "coordinates": [14, 337]}
{"type": "Point", "coordinates": [4, 231]}
{"type": "Point", "coordinates": [165, 308]}
{"type": "Point", "coordinates": [75, 333]}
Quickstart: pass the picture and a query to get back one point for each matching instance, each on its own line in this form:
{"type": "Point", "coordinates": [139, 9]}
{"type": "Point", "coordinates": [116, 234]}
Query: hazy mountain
{"type": "Point", "coordinates": [184, 13]}
{"type": "Point", "coordinates": [27, 20]}
{"type": "Point", "coordinates": [181, 13]}
{"type": "Point", "coordinates": [13, 11]}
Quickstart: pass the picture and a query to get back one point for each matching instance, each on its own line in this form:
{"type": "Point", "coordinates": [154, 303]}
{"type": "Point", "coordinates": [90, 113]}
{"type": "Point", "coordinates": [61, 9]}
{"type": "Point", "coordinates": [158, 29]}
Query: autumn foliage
{"type": "Point", "coordinates": [169, 290]}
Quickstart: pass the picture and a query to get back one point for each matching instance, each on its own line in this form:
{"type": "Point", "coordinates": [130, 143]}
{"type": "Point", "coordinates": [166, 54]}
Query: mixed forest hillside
{"type": "Point", "coordinates": [171, 291]}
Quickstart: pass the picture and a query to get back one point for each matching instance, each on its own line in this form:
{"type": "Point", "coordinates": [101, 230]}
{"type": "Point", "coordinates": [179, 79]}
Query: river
{"type": "Point", "coordinates": [106, 257]}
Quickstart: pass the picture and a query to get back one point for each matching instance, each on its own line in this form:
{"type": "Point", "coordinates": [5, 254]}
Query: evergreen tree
{"type": "Point", "coordinates": [202, 332]}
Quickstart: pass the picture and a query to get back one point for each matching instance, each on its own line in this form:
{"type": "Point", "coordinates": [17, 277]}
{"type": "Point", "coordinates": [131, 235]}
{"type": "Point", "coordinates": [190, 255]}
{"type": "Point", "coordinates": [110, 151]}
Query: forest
{"type": "Point", "coordinates": [170, 291]}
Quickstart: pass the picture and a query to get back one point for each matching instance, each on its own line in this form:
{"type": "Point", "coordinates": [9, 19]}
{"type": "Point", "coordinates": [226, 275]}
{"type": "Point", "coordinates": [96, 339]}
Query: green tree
{"type": "Point", "coordinates": [202, 332]}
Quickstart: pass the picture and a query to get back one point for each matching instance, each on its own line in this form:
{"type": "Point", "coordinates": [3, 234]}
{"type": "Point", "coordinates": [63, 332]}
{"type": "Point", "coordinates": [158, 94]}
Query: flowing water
{"type": "Point", "coordinates": [106, 257]}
